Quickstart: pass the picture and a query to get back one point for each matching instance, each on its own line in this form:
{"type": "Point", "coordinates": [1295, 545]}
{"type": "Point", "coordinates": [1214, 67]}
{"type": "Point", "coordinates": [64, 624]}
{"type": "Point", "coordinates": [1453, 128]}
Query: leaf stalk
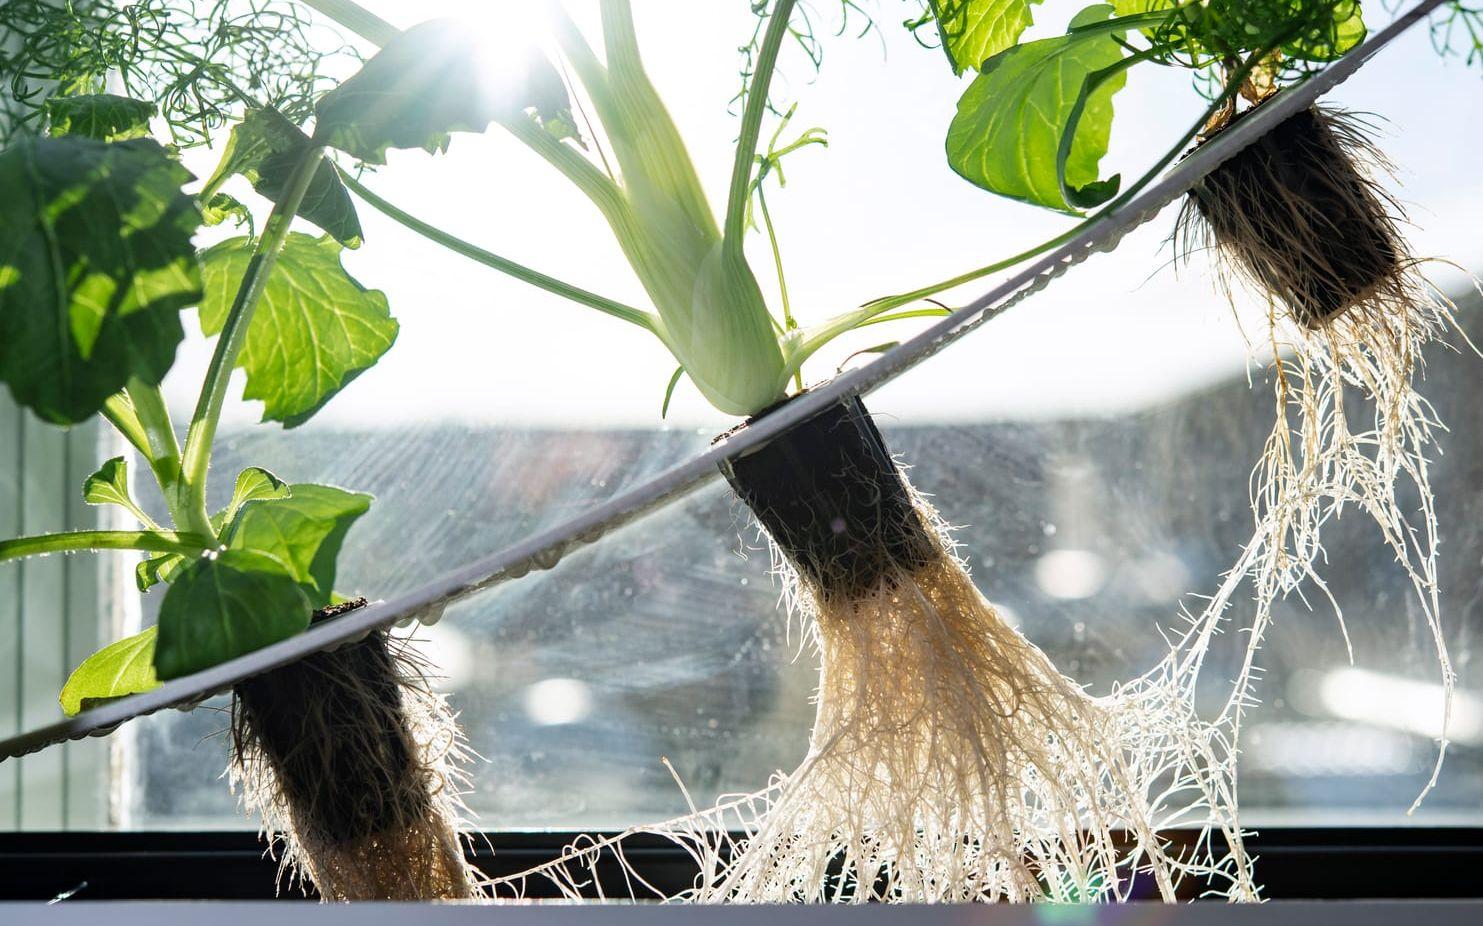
{"type": "Point", "coordinates": [202, 432]}
{"type": "Point", "coordinates": [186, 544]}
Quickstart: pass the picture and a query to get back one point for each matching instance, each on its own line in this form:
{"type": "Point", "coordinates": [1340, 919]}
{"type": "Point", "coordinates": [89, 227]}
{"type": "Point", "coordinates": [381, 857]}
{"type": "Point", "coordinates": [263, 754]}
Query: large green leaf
{"type": "Point", "coordinates": [95, 265]}
{"type": "Point", "coordinates": [223, 605]}
{"type": "Point", "coordinates": [116, 670]}
{"type": "Point", "coordinates": [1006, 136]}
{"type": "Point", "coordinates": [302, 533]}
{"type": "Point", "coordinates": [265, 147]}
{"type": "Point", "coordinates": [315, 328]}
{"type": "Point", "coordinates": [424, 84]}
{"type": "Point", "coordinates": [974, 31]}
{"type": "Point", "coordinates": [100, 116]}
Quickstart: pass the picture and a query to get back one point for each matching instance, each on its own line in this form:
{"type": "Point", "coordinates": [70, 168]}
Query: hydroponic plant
{"type": "Point", "coordinates": [349, 755]}
{"type": "Point", "coordinates": [1299, 217]}
{"type": "Point", "coordinates": [950, 760]}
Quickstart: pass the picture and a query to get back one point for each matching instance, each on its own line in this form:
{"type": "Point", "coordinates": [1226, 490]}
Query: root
{"type": "Point", "coordinates": [950, 761]}
{"type": "Point", "coordinates": [354, 765]}
{"type": "Point", "coordinates": [1301, 220]}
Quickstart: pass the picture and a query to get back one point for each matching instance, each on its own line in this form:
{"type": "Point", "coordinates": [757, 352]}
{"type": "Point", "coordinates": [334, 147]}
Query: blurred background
{"type": "Point", "coordinates": [1094, 446]}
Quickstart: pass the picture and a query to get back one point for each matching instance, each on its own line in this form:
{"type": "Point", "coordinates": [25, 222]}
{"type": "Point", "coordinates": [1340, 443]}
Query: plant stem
{"type": "Point", "coordinates": [910, 313]}
{"type": "Point", "coordinates": [76, 541]}
{"type": "Point", "coordinates": [357, 19]}
{"type": "Point", "coordinates": [197, 457]}
{"type": "Point", "coordinates": [596, 185]}
{"type": "Point", "coordinates": [751, 127]}
{"type": "Point", "coordinates": [163, 453]}
{"type": "Point", "coordinates": [504, 265]}
{"type": "Point", "coordinates": [887, 303]}
{"type": "Point", "coordinates": [789, 323]}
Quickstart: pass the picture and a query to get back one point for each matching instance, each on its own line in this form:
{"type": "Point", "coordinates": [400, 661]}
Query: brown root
{"type": "Point", "coordinates": [1301, 219]}
{"type": "Point", "coordinates": [354, 765]}
{"type": "Point", "coordinates": [1298, 215]}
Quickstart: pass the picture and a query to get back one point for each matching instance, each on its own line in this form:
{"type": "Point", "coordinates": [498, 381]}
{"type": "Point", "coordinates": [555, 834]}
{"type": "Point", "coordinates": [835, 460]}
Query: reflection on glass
{"type": "Point", "coordinates": [667, 639]}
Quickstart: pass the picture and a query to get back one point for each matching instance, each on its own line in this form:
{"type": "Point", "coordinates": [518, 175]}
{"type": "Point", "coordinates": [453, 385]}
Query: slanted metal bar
{"type": "Point", "coordinates": [546, 548]}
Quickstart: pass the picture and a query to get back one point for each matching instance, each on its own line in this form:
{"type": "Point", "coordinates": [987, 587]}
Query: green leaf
{"type": "Point", "coordinates": [534, 87]}
{"type": "Point", "coordinates": [161, 568]}
{"type": "Point", "coordinates": [109, 485]}
{"type": "Point", "coordinates": [315, 330]}
{"type": "Point", "coordinates": [1006, 136]}
{"type": "Point", "coordinates": [96, 263]}
{"type": "Point", "coordinates": [1332, 37]}
{"type": "Point", "coordinates": [222, 606]}
{"type": "Point", "coordinates": [221, 207]}
{"type": "Point", "coordinates": [669, 391]}
{"type": "Point", "coordinates": [973, 31]}
{"type": "Point", "coordinates": [265, 147]}
{"type": "Point", "coordinates": [302, 533]}
{"type": "Point", "coordinates": [116, 670]}
{"type": "Point", "coordinates": [100, 116]}
{"type": "Point", "coordinates": [1324, 29]}
{"type": "Point", "coordinates": [253, 484]}
{"type": "Point", "coordinates": [421, 86]}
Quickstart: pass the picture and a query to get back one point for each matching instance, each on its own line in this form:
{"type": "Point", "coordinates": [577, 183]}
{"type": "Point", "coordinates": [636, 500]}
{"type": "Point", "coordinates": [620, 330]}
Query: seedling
{"type": "Point", "coordinates": [950, 760]}
{"type": "Point", "coordinates": [1298, 217]}
{"type": "Point", "coordinates": [348, 755]}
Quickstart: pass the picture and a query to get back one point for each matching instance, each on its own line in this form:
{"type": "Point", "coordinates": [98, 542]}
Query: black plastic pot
{"type": "Point", "coordinates": [830, 496]}
{"type": "Point", "coordinates": [1295, 209]}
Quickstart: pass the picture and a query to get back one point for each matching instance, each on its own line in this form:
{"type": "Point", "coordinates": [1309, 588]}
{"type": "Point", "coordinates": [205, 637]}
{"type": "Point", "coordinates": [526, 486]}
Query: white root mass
{"type": "Point", "coordinates": [1350, 430]}
{"type": "Point", "coordinates": [950, 761]}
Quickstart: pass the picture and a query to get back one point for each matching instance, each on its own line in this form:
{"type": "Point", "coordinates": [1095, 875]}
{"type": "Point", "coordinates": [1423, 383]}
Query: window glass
{"type": "Point", "coordinates": [667, 639]}
{"type": "Point", "coordinates": [1093, 446]}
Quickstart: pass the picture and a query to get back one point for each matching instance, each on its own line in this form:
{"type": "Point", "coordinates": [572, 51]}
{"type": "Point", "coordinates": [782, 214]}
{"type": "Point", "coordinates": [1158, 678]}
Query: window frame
{"type": "Point", "coordinates": [1296, 863]}
{"type": "Point", "coordinates": [42, 469]}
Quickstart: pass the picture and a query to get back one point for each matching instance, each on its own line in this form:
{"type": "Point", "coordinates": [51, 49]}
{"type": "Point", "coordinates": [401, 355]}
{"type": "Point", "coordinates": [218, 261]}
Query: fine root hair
{"type": "Point", "coordinates": [1301, 220]}
{"type": "Point", "coordinates": [950, 761]}
{"type": "Point", "coordinates": [355, 767]}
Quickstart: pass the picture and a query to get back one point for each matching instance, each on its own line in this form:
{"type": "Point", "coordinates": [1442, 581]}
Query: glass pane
{"type": "Point", "coordinates": [1094, 445]}
{"type": "Point", "coordinates": [666, 639]}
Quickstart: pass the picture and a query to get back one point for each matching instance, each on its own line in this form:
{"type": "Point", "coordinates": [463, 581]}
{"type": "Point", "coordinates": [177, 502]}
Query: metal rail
{"type": "Point", "coordinates": [546, 548]}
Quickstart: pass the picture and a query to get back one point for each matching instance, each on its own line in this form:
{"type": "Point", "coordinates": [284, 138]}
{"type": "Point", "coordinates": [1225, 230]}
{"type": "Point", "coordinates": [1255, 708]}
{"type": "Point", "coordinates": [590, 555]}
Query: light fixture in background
{"type": "Point", "coordinates": [1380, 699]}
{"type": "Point", "coordinates": [1328, 748]}
{"type": "Point", "coordinates": [554, 702]}
{"type": "Point", "coordinates": [1070, 575]}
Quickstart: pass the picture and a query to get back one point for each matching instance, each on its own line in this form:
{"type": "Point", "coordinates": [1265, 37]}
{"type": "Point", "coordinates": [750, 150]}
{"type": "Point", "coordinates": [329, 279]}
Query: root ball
{"type": "Point", "coordinates": [353, 763]}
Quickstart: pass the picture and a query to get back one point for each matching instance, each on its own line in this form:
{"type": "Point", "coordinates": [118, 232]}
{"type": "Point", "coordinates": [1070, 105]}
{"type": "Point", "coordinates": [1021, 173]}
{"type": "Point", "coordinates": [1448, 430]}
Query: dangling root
{"type": "Point", "coordinates": [950, 761]}
{"type": "Point", "coordinates": [355, 766]}
{"type": "Point", "coordinates": [1300, 219]}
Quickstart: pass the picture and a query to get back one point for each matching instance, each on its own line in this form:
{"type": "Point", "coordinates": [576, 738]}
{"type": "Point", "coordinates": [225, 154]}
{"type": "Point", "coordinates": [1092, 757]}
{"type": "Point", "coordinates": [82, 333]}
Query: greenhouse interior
{"type": "Point", "coordinates": [582, 458]}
